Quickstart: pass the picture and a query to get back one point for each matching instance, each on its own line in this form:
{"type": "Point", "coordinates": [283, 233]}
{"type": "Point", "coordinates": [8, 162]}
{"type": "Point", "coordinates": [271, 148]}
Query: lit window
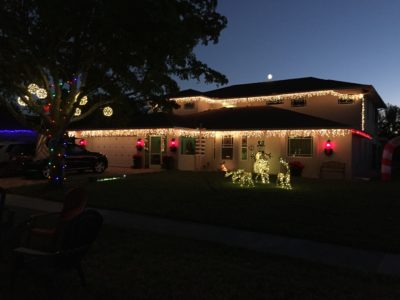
{"type": "Point", "coordinates": [188, 145]}
{"type": "Point", "coordinates": [299, 102]}
{"type": "Point", "coordinates": [244, 148]}
{"type": "Point", "coordinates": [300, 146]}
{"type": "Point", "coordinates": [227, 147]}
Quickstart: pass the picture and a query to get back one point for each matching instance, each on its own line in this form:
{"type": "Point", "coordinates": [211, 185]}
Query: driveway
{"type": "Point", "coordinates": [9, 182]}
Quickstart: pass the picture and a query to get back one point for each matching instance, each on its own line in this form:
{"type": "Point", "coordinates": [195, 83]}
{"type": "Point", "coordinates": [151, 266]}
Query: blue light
{"type": "Point", "coordinates": [17, 131]}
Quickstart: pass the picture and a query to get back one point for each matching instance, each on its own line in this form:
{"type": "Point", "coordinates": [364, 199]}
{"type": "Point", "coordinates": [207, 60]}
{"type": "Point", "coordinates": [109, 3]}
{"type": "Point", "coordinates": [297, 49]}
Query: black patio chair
{"type": "Point", "coordinates": [74, 240]}
{"type": "Point", "coordinates": [41, 231]}
{"type": "Point", "coordinates": [6, 219]}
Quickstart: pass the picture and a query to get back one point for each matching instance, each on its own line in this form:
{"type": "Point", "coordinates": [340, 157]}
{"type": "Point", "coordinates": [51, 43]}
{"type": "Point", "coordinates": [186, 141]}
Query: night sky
{"type": "Point", "coordinates": [348, 40]}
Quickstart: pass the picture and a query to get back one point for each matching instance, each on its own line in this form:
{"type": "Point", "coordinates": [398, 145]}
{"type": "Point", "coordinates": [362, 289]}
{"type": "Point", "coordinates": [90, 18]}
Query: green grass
{"type": "Point", "coordinates": [125, 264]}
{"type": "Point", "coordinates": [354, 213]}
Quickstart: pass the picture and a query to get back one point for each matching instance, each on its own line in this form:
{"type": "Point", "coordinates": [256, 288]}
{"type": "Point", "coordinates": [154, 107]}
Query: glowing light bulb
{"type": "Point", "coordinates": [83, 101]}
{"type": "Point", "coordinates": [41, 93]}
{"type": "Point", "coordinates": [22, 103]}
{"type": "Point", "coordinates": [108, 111]}
{"type": "Point", "coordinates": [32, 88]}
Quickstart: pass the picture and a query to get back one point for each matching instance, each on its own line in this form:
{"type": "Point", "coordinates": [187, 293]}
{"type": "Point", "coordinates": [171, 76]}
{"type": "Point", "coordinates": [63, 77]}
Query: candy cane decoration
{"type": "Point", "coordinates": [386, 166]}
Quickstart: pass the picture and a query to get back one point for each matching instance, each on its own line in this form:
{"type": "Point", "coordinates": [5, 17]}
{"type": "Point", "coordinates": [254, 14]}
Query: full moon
{"type": "Point", "coordinates": [269, 76]}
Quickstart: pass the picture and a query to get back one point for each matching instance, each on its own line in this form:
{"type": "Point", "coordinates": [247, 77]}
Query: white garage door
{"type": "Point", "coordinates": [119, 150]}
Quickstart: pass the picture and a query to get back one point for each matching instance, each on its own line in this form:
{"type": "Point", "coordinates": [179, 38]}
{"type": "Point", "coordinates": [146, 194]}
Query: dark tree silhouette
{"type": "Point", "coordinates": [389, 121]}
{"type": "Point", "coordinates": [63, 60]}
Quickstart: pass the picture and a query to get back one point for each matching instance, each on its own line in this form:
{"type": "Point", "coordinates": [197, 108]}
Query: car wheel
{"type": "Point", "coordinates": [46, 171]}
{"type": "Point", "coordinates": [99, 167]}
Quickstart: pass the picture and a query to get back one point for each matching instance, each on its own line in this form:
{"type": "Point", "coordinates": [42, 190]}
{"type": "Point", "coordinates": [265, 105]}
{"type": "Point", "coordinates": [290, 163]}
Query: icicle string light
{"type": "Point", "coordinates": [210, 133]}
{"type": "Point", "coordinates": [363, 115]}
{"type": "Point", "coordinates": [274, 97]}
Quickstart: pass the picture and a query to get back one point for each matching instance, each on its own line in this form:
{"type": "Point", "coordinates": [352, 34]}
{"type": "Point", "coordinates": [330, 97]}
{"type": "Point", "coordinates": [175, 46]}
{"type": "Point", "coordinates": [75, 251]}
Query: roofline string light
{"type": "Point", "coordinates": [273, 97]}
{"type": "Point", "coordinates": [212, 133]}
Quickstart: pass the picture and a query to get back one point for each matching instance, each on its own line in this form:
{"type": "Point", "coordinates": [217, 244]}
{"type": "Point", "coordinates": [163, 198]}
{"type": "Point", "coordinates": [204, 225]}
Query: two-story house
{"type": "Point", "coordinates": [297, 119]}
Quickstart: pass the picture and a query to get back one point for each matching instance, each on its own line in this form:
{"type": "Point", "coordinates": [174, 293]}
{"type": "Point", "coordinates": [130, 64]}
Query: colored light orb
{"type": "Point", "coordinates": [140, 143]}
{"type": "Point", "coordinates": [108, 111]}
{"type": "Point", "coordinates": [328, 148]}
{"type": "Point", "coordinates": [46, 107]}
{"type": "Point", "coordinates": [83, 142]}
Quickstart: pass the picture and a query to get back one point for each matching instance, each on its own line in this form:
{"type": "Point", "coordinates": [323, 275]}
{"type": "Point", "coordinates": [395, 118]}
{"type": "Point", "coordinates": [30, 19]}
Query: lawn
{"type": "Point", "coordinates": [125, 264]}
{"type": "Point", "coordinates": [364, 214]}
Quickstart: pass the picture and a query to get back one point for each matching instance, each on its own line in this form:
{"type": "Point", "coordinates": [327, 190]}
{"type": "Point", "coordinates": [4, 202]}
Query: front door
{"type": "Point", "coordinates": [155, 151]}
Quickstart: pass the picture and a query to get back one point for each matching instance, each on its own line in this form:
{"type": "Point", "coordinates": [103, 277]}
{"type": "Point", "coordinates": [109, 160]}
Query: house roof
{"type": "Point", "coordinates": [279, 87]}
{"type": "Point", "coordinates": [154, 120]}
{"type": "Point", "coordinates": [239, 118]}
{"type": "Point", "coordinates": [256, 118]}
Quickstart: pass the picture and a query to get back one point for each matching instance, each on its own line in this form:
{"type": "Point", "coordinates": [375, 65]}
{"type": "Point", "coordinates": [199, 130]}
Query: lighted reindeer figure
{"type": "Point", "coordinates": [244, 179]}
{"type": "Point", "coordinates": [261, 166]}
{"type": "Point", "coordinates": [283, 178]}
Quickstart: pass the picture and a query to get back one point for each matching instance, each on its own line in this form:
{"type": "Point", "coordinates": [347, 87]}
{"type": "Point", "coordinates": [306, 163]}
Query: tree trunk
{"type": "Point", "coordinates": [57, 161]}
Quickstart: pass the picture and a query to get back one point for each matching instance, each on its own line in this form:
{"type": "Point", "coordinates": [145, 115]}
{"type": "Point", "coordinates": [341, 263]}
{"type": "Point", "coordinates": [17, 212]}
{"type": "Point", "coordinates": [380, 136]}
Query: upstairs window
{"type": "Point", "coordinates": [300, 146]}
{"type": "Point", "coordinates": [188, 105]}
{"type": "Point", "coordinates": [227, 147]}
{"type": "Point", "coordinates": [299, 102]}
{"type": "Point", "coordinates": [345, 101]}
{"type": "Point", "coordinates": [274, 102]}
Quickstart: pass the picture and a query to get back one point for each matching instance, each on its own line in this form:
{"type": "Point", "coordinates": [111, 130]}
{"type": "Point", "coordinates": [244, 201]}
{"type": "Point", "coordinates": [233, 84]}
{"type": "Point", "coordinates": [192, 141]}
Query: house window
{"type": "Point", "coordinates": [244, 148]}
{"type": "Point", "coordinates": [188, 145]}
{"type": "Point", "coordinates": [300, 146]}
{"type": "Point", "coordinates": [188, 105]}
{"type": "Point", "coordinates": [345, 101]}
{"type": "Point", "coordinates": [227, 147]}
{"type": "Point", "coordinates": [274, 101]}
{"type": "Point", "coordinates": [299, 102]}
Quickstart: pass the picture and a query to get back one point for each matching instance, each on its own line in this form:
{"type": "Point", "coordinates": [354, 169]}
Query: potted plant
{"type": "Point", "coordinates": [296, 167]}
{"type": "Point", "coordinates": [137, 161]}
{"type": "Point", "coordinates": [167, 162]}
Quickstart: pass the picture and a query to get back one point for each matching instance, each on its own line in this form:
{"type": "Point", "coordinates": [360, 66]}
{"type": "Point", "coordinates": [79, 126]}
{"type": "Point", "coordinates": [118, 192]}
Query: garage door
{"type": "Point", "coordinates": [119, 150]}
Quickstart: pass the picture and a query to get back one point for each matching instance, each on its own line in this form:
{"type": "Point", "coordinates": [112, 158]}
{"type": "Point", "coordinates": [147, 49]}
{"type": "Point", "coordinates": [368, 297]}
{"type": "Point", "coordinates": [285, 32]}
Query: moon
{"type": "Point", "coordinates": [269, 76]}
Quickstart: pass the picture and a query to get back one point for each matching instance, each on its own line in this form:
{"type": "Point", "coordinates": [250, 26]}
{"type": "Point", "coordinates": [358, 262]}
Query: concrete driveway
{"type": "Point", "coordinates": [9, 182]}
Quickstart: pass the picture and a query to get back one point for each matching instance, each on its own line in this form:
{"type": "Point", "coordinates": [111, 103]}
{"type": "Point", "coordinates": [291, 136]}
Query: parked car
{"type": "Point", "coordinates": [14, 155]}
{"type": "Point", "coordinates": [77, 159]}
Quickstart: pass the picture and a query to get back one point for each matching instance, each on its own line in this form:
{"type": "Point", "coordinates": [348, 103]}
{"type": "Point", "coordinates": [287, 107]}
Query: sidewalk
{"type": "Point", "coordinates": [364, 260]}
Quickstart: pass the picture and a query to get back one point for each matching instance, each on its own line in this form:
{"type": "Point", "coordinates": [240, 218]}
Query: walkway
{"type": "Point", "coordinates": [364, 260]}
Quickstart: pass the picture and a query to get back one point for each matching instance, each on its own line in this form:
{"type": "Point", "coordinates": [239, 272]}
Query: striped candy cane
{"type": "Point", "coordinates": [386, 166]}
